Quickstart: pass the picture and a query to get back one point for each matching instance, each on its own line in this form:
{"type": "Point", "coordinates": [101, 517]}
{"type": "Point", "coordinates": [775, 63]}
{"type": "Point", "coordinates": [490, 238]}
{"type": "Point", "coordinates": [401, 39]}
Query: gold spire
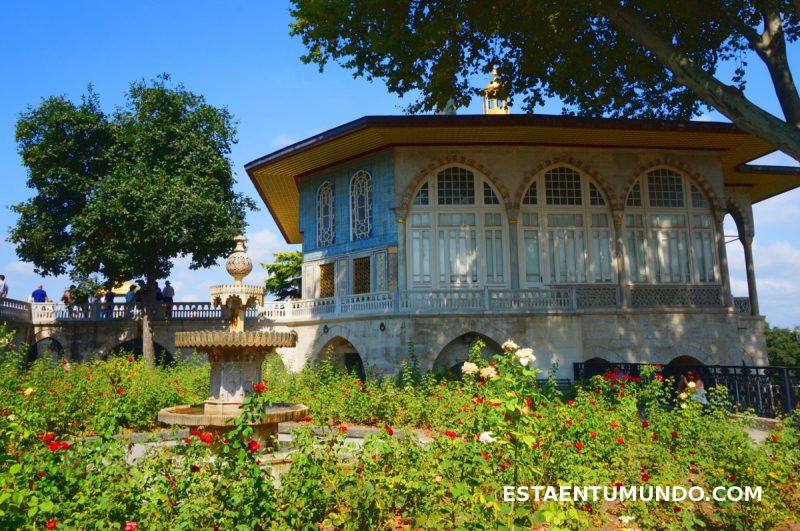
{"type": "Point", "coordinates": [492, 104]}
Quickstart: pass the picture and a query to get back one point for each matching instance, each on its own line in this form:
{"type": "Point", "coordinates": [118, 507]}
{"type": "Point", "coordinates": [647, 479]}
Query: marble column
{"type": "Point", "coordinates": [727, 299]}
{"type": "Point", "coordinates": [752, 291]}
{"type": "Point", "coordinates": [513, 247]}
{"type": "Point", "coordinates": [623, 280]}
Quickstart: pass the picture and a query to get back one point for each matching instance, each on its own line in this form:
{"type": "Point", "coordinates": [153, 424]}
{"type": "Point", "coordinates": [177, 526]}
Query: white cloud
{"type": "Point", "coordinates": [19, 267]}
{"type": "Point", "coordinates": [283, 140]}
{"type": "Point", "coordinates": [703, 118]}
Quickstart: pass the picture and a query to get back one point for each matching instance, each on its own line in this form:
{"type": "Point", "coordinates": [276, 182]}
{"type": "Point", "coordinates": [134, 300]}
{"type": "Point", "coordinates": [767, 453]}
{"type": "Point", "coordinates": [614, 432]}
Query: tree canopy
{"type": "Point", "coordinates": [285, 276]}
{"type": "Point", "coordinates": [122, 195]}
{"type": "Point", "coordinates": [645, 59]}
{"type": "Point", "coordinates": [783, 346]}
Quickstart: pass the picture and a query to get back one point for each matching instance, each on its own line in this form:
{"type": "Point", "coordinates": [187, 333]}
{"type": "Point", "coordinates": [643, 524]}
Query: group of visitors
{"type": "Point", "coordinates": [104, 302]}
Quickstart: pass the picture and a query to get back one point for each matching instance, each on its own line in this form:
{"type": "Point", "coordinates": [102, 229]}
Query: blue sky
{"type": "Point", "coordinates": [239, 54]}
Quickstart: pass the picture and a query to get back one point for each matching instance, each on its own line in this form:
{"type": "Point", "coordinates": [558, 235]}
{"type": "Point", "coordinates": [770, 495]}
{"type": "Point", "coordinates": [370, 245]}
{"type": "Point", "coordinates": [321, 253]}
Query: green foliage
{"type": "Point", "coordinates": [285, 275]}
{"type": "Point", "coordinates": [783, 346]}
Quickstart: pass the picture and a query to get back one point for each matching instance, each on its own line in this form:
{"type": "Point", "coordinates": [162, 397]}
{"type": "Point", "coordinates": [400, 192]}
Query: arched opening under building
{"type": "Point", "coordinates": [457, 351]}
{"type": "Point", "coordinates": [47, 348]}
{"type": "Point", "coordinates": [134, 348]}
{"type": "Point", "coordinates": [685, 361]}
{"type": "Point", "coordinates": [344, 356]}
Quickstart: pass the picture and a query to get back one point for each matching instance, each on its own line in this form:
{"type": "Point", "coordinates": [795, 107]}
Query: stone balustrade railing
{"type": "Point", "coordinates": [553, 299]}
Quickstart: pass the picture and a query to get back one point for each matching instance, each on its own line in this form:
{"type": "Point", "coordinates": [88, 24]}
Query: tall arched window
{"type": "Point", "coordinates": [360, 205]}
{"type": "Point", "coordinates": [669, 231]}
{"type": "Point", "coordinates": [325, 226]}
{"type": "Point", "coordinates": [565, 230]}
{"type": "Point", "coordinates": [456, 234]}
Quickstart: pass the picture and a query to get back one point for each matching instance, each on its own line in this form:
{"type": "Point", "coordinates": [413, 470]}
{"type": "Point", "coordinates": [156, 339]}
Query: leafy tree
{"type": "Point", "coordinates": [644, 59]}
{"type": "Point", "coordinates": [285, 276]}
{"type": "Point", "coordinates": [783, 346]}
{"type": "Point", "coordinates": [121, 196]}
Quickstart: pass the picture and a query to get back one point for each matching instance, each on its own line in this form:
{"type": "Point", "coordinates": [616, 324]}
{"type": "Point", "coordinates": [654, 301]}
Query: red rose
{"type": "Point", "coordinates": [52, 524]}
{"type": "Point", "coordinates": [593, 402]}
{"type": "Point", "coordinates": [676, 508]}
{"type": "Point", "coordinates": [194, 468]}
{"type": "Point", "coordinates": [622, 395]}
{"type": "Point", "coordinates": [478, 400]}
{"type": "Point", "coordinates": [570, 402]}
{"type": "Point", "coordinates": [120, 390]}
{"type": "Point", "coordinates": [253, 446]}
{"type": "Point", "coordinates": [130, 358]}
{"type": "Point", "coordinates": [451, 434]}
{"type": "Point", "coordinates": [54, 446]}
{"type": "Point", "coordinates": [615, 425]}
{"type": "Point", "coordinates": [388, 429]}
{"type": "Point", "coordinates": [495, 404]}
{"type": "Point", "coordinates": [579, 445]}
{"type": "Point", "coordinates": [205, 437]}
{"type": "Point", "coordinates": [40, 473]}
{"type": "Point", "coordinates": [655, 436]}
{"type": "Point", "coordinates": [187, 440]}
{"type": "Point", "coordinates": [645, 478]}
{"type": "Point", "coordinates": [259, 387]}
{"type": "Point", "coordinates": [645, 424]}
{"type": "Point", "coordinates": [64, 445]}
{"type": "Point", "coordinates": [306, 419]}
{"type": "Point", "coordinates": [485, 455]}
{"type": "Point", "coordinates": [131, 526]}
{"type": "Point", "coordinates": [620, 441]}
{"type": "Point", "coordinates": [731, 479]}
{"type": "Point", "coordinates": [63, 361]}
{"type": "Point", "coordinates": [659, 366]}
{"type": "Point", "coordinates": [674, 434]}
{"type": "Point", "coordinates": [49, 437]}
{"type": "Point", "coordinates": [342, 428]}
{"type": "Point", "coordinates": [593, 435]}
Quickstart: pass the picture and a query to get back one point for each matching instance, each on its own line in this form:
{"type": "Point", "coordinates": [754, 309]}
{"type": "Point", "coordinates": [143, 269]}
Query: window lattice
{"type": "Point", "coordinates": [698, 201]}
{"type": "Point", "coordinates": [326, 280]}
{"type": "Point", "coordinates": [595, 197]}
{"type": "Point", "coordinates": [456, 186]}
{"type": "Point", "coordinates": [635, 196]}
{"type": "Point", "coordinates": [361, 275]}
{"type": "Point", "coordinates": [360, 205]}
{"type": "Point", "coordinates": [665, 188]}
{"type": "Point", "coordinates": [489, 197]}
{"type": "Point", "coordinates": [423, 196]}
{"type": "Point", "coordinates": [562, 186]}
{"type": "Point", "coordinates": [325, 232]}
{"type": "Point", "coordinates": [530, 196]}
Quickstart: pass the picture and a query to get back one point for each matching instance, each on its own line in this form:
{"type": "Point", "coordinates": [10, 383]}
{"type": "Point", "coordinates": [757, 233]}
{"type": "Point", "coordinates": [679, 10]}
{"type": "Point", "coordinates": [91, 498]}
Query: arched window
{"type": "Point", "coordinates": [456, 234]}
{"type": "Point", "coordinates": [360, 205]}
{"type": "Point", "coordinates": [325, 226]}
{"type": "Point", "coordinates": [669, 231]}
{"type": "Point", "coordinates": [565, 230]}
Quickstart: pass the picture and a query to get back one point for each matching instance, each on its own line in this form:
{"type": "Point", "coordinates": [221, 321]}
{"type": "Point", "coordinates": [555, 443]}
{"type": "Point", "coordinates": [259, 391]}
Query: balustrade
{"type": "Point", "coordinates": [14, 310]}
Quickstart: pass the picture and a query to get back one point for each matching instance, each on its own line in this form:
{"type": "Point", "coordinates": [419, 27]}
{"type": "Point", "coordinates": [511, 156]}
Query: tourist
{"type": "Point", "coordinates": [130, 301]}
{"type": "Point", "coordinates": [692, 384]}
{"type": "Point", "coordinates": [3, 287]}
{"type": "Point", "coordinates": [39, 295]}
{"type": "Point", "coordinates": [68, 300]}
{"type": "Point", "coordinates": [168, 294]}
{"type": "Point", "coordinates": [108, 308]}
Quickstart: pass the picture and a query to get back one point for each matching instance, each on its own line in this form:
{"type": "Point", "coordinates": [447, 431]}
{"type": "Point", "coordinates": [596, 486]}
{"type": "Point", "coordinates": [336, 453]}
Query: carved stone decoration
{"type": "Point", "coordinates": [238, 263]}
{"type": "Point", "coordinates": [380, 272]}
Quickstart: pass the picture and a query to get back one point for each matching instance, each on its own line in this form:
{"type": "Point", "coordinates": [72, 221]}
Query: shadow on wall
{"type": "Point", "coordinates": [455, 353]}
{"type": "Point", "coordinates": [344, 356]}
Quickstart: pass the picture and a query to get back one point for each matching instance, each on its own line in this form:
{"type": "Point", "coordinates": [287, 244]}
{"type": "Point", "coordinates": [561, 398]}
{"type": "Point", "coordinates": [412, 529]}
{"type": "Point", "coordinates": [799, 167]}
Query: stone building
{"type": "Point", "coordinates": [586, 239]}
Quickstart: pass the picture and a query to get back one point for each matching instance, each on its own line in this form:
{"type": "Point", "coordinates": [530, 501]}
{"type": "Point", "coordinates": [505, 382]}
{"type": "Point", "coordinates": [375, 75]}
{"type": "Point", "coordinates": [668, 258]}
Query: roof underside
{"type": "Point", "coordinates": [275, 176]}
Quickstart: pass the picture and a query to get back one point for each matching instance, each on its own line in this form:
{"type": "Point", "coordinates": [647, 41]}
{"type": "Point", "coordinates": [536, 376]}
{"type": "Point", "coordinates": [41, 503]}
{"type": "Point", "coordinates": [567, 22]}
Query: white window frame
{"type": "Point", "coordinates": [326, 236]}
{"type": "Point", "coordinates": [360, 189]}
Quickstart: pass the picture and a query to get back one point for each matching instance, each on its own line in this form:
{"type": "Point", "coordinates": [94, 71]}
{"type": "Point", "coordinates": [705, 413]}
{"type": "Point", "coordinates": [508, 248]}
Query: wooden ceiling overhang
{"type": "Point", "coordinates": [276, 175]}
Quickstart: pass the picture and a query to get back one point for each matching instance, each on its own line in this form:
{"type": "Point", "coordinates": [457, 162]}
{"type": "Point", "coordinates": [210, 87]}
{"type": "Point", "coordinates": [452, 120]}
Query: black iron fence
{"type": "Point", "coordinates": [769, 391]}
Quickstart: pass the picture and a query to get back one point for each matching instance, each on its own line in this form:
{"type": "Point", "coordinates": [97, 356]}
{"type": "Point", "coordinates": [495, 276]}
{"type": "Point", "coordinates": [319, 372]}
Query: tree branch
{"type": "Point", "coordinates": [726, 99]}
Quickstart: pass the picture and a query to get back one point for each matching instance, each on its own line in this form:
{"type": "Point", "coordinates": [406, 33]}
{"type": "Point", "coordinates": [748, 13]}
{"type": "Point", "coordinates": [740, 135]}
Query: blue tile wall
{"type": "Point", "coordinates": [384, 226]}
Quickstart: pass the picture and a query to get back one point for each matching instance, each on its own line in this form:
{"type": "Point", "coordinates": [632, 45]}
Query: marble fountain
{"type": "Point", "coordinates": [235, 357]}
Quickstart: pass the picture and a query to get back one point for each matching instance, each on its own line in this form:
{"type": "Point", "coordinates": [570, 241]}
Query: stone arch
{"type": "Point", "coordinates": [441, 163]}
{"type": "Point", "coordinates": [742, 217]}
{"type": "Point", "coordinates": [344, 355]}
{"type": "Point", "coordinates": [456, 351]}
{"type": "Point", "coordinates": [678, 361]}
{"type": "Point", "coordinates": [697, 178]}
{"type": "Point", "coordinates": [47, 346]}
{"type": "Point", "coordinates": [134, 346]}
{"type": "Point", "coordinates": [597, 361]}
{"type": "Point", "coordinates": [575, 164]}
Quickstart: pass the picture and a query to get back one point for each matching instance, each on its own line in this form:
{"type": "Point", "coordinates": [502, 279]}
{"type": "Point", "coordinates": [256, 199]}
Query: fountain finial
{"type": "Point", "coordinates": [238, 263]}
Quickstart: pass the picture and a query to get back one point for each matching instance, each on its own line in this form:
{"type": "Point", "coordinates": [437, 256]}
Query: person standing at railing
{"type": "Point", "coordinates": [68, 300]}
{"type": "Point", "coordinates": [108, 306]}
{"type": "Point", "coordinates": [3, 287]}
{"type": "Point", "coordinates": [130, 302]}
{"type": "Point", "coordinates": [168, 294]}
{"type": "Point", "coordinates": [39, 295]}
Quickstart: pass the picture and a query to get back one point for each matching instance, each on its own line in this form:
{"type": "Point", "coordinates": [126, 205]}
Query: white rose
{"type": "Point", "coordinates": [469, 368]}
{"type": "Point", "coordinates": [487, 373]}
{"type": "Point", "coordinates": [683, 396]}
{"type": "Point", "coordinates": [525, 356]}
{"type": "Point", "coordinates": [691, 385]}
{"type": "Point", "coordinates": [510, 346]}
{"type": "Point", "coordinates": [486, 437]}
{"type": "Point", "coordinates": [683, 406]}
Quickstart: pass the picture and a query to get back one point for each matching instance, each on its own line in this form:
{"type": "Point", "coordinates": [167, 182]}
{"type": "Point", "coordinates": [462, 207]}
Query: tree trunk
{"type": "Point", "coordinates": [148, 312]}
{"type": "Point", "coordinates": [728, 100]}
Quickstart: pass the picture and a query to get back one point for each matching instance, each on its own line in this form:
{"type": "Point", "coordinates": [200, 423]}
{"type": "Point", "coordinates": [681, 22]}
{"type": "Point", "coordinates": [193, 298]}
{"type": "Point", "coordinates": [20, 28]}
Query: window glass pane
{"type": "Point", "coordinates": [665, 188]}
{"type": "Point", "coordinates": [530, 220]}
{"type": "Point", "coordinates": [456, 220]}
{"type": "Point", "coordinates": [595, 197]}
{"type": "Point", "coordinates": [701, 222]}
{"type": "Point", "coordinates": [601, 255]}
{"type": "Point", "coordinates": [493, 220]}
{"type": "Point", "coordinates": [326, 280]}
{"type": "Point", "coordinates": [421, 257]}
{"type": "Point", "coordinates": [422, 197]}
{"type": "Point", "coordinates": [599, 220]}
{"type": "Point", "coordinates": [634, 220]}
{"type": "Point", "coordinates": [361, 275]}
{"type": "Point", "coordinates": [567, 250]}
{"type": "Point", "coordinates": [635, 252]}
{"type": "Point", "coordinates": [456, 186]}
{"type": "Point", "coordinates": [494, 257]}
{"type": "Point", "coordinates": [671, 256]}
{"type": "Point", "coordinates": [634, 196]}
{"type": "Point", "coordinates": [564, 220]}
{"type": "Point", "coordinates": [420, 220]}
{"type": "Point", "coordinates": [698, 201]}
{"type": "Point", "coordinates": [530, 196]}
{"type": "Point", "coordinates": [668, 221]}
{"type": "Point", "coordinates": [562, 187]}
{"type": "Point", "coordinates": [489, 197]}
{"type": "Point", "coordinates": [704, 256]}
{"type": "Point", "coordinates": [532, 266]}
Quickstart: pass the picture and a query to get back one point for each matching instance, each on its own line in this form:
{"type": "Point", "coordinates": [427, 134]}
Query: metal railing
{"type": "Point", "coordinates": [767, 390]}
